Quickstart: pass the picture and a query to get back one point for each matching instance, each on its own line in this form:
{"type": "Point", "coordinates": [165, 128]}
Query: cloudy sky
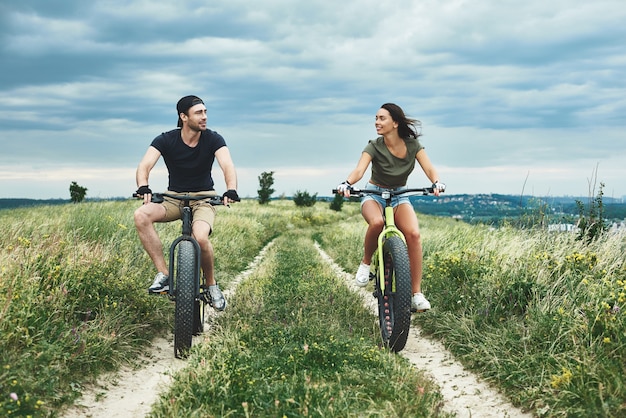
{"type": "Point", "coordinates": [514, 96]}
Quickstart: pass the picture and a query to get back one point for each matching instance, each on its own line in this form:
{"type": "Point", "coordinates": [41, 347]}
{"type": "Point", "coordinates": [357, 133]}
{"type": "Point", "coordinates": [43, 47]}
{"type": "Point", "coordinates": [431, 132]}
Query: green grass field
{"type": "Point", "coordinates": [538, 315]}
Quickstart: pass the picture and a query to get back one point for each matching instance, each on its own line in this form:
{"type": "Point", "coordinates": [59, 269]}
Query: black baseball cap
{"type": "Point", "coordinates": [184, 104]}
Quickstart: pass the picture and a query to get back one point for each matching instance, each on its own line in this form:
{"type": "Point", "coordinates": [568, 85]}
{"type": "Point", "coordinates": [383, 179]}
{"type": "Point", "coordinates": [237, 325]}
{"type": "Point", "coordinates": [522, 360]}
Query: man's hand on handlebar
{"type": "Point", "coordinates": [145, 192]}
{"type": "Point", "coordinates": [230, 196]}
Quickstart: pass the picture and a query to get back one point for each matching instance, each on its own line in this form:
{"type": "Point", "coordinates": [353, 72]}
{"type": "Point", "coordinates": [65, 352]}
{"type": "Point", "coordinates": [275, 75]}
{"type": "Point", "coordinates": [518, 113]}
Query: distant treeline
{"type": "Point", "coordinates": [17, 203]}
{"type": "Point", "coordinates": [492, 208]}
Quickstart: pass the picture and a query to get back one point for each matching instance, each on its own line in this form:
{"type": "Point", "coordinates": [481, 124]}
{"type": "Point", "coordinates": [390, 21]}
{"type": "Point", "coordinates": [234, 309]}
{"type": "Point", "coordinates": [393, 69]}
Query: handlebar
{"type": "Point", "coordinates": [159, 197]}
{"type": "Point", "coordinates": [389, 192]}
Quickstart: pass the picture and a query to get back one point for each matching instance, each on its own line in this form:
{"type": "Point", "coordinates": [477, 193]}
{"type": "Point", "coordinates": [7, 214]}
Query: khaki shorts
{"type": "Point", "coordinates": [201, 210]}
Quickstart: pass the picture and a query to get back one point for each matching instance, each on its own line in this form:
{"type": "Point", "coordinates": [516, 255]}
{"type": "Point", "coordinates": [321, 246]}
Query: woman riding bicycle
{"type": "Point", "coordinates": [393, 156]}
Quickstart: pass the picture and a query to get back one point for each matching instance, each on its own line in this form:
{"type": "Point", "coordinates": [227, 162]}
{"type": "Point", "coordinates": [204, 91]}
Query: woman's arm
{"type": "Point", "coordinates": [427, 166]}
{"type": "Point", "coordinates": [357, 173]}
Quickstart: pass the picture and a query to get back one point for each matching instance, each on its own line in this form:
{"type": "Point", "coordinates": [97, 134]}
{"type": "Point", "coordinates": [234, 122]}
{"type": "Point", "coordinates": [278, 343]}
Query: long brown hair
{"type": "Point", "coordinates": [407, 127]}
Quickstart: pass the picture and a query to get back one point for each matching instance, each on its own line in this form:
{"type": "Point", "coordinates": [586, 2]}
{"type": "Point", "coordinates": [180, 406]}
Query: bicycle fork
{"type": "Point", "coordinates": [389, 230]}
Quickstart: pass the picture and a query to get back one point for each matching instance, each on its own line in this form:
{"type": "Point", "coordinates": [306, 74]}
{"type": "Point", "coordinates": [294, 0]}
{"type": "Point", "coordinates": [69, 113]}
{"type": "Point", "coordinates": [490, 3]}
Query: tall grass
{"type": "Point", "coordinates": [74, 300]}
{"type": "Point", "coordinates": [71, 303]}
{"type": "Point", "coordinates": [538, 314]}
{"type": "Point", "coordinates": [541, 313]}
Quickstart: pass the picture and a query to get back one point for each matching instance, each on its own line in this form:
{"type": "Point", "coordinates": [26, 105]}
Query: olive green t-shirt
{"type": "Point", "coordinates": [387, 169]}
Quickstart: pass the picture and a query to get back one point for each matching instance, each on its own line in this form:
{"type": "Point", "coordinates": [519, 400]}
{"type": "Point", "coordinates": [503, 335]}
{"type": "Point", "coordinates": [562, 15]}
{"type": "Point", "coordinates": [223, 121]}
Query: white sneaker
{"type": "Point", "coordinates": [362, 275]}
{"type": "Point", "coordinates": [161, 284]}
{"type": "Point", "coordinates": [419, 303]}
{"type": "Point", "coordinates": [218, 302]}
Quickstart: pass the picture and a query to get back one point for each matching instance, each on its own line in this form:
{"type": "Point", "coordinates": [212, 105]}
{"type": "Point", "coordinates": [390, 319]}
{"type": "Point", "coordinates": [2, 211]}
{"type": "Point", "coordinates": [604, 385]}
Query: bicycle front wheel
{"type": "Point", "coordinates": [185, 298]}
{"type": "Point", "coordinates": [394, 303]}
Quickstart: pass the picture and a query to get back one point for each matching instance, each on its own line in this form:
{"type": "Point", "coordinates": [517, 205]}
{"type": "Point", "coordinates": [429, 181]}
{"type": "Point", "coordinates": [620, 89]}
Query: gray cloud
{"type": "Point", "coordinates": [294, 86]}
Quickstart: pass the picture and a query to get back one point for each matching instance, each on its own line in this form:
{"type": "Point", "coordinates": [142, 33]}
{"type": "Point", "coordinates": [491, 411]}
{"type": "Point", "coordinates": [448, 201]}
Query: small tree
{"type": "Point", "coordinates": [77, 193]}
{"type": "Point", "coordinates": [337, 203]}
{"type": "Point", "coordinates": [304, 198]}
{"type": "Point", "coordinates": [266, 180]}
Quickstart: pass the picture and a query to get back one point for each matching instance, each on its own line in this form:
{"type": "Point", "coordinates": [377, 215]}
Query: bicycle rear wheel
{"type": "Point", "coordinates": [185, 298]}
{"type": "Point", "coordinates": [394, 304]}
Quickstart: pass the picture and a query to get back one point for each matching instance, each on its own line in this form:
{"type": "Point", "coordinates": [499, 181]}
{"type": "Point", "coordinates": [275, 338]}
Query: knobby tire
{"type": "Point", "coordinates": [394, 305]}
{"type": "Point", "coordinates": [185, 299]}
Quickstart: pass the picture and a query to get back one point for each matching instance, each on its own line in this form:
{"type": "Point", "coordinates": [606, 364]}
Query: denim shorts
{"type": "Point", "coordinates": [395, 201]}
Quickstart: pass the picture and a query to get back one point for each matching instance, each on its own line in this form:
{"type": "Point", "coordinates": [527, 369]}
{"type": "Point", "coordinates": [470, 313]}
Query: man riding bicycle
{"type": "Point", "coordinates": [188, 153]}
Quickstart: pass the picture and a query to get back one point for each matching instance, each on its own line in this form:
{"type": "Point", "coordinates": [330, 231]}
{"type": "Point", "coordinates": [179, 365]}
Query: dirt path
{"type": "Point", "coordinates": [463, 392]}
{"type": "Point", "coordinates": [131, 392]}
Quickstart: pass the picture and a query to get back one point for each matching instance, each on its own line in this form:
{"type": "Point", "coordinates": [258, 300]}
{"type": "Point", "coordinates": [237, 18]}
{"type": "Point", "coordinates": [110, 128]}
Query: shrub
{"type": "Point", "coordinates": [304, 198]}
{"type": "Point", "coordinates": [337, 203]}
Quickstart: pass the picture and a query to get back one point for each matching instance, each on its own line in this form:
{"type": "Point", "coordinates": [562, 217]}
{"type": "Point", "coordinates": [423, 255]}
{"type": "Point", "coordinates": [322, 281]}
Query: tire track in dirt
{"type": "Point", "coordinates": [463, 392]}
{"type": "Point", "coordinates": [130, 392]}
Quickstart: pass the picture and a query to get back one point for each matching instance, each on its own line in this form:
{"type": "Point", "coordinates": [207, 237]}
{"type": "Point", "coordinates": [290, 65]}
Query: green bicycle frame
{"type": "Point", "coordinates": [389, 230]}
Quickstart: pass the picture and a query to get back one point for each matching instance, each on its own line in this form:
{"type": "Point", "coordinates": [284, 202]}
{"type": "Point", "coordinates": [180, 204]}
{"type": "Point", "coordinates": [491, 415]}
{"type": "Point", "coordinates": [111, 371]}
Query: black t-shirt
{"type": "Point", "coordinates": [189, 168]}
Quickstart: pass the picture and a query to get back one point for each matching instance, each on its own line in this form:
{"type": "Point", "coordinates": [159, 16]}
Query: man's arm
{"type": "Point", "coordinates": [228, 167]}
{"type": "Point", "coordinates": [145, 166]}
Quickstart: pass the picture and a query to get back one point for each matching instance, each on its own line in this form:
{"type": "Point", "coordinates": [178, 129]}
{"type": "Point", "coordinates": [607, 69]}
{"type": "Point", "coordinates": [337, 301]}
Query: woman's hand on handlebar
{"type": "Point", "coordinates": [344, 189]}
{"type": "Point", "coordinates": [438, 188]}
